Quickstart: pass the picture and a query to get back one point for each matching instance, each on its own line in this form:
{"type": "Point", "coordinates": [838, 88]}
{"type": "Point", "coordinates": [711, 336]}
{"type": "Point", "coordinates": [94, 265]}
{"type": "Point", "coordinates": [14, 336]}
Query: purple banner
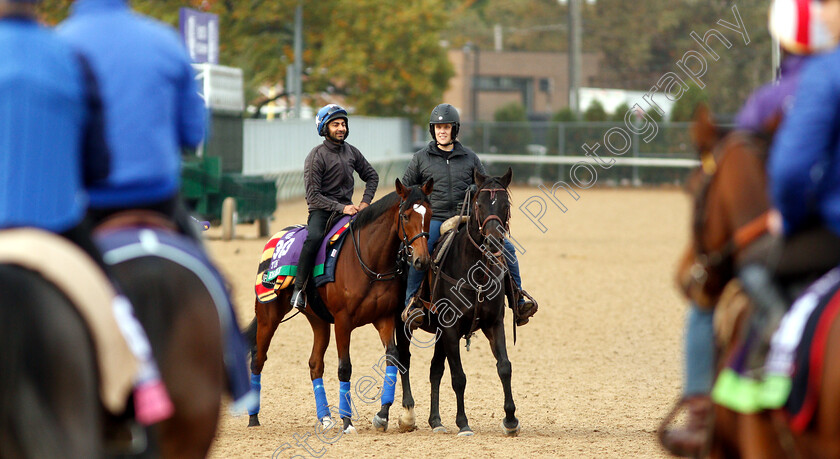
{"type": "Point", "coordinates": [200, 32]}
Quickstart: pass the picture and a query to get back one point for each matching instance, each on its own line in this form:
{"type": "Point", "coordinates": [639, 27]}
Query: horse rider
{"type": "Point", "coordinates": [152, 107]}
{"type": "Point", "coordinates": [798, 40]}
{"type": "Point", "coordinates": [451, 165]}
{"type": "Point", "coordinates": [328, 178]}
{"type": "Point", "coordinates": [53, 150]}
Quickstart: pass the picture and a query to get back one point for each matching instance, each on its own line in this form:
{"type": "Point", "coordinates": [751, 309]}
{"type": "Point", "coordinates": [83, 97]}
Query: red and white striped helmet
{"type": "Point", "coordinates": [797, 26]}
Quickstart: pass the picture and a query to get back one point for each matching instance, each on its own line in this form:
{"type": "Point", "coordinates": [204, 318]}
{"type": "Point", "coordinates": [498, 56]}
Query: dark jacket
{"type": "Point", "coordinates": [453, 175]}
{"type": "Point", "coordinates": [328, 176]}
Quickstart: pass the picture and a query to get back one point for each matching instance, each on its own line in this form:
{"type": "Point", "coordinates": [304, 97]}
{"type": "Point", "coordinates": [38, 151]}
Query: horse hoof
{"type": "Point", "coordinates": [440, 430]}
{"type": "Point", "coordinates": [511, 431]}
{"type": "Point", "coordinates": [407, 421]}
{"type": "Point", "coordinates": [406, 427]}
{"type": "Point", "coordinates": [379, 423]}
{"type": "Point", "coordinates": [327, 423]}
{"type": "Point", "coordinates": [351, 430]}
{"type": "Point", "coordinates": [254, 420]}
{"type": "Point", "coordinates": [466, 432]}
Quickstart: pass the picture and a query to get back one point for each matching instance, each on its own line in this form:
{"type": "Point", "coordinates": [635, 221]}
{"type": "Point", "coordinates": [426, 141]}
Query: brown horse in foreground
{"type": "Point", "coordinates": [731, 204]}
{"type": "Point", "coordinates": [368, 288]}
{"type": "Point", "coordinates": [175, 299]}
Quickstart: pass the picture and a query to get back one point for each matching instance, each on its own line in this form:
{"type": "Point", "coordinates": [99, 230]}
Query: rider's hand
{"type": "Point", "coordinates": [350, 209]}
{"type": "Point", "coordinates": [362, 205]}
{"type": "Point", "coordinates": [774, 223]}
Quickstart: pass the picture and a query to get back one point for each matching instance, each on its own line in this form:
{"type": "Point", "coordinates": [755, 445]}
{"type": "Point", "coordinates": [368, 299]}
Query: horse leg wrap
{"type": "Point", "coordinates": [390, 385]}
{"type": "Point", "coordinates": [345, 405]}
{"type": "Point", "coordinates": [255, 386]}
{"type": "Point", "coordinates": [320, 398]}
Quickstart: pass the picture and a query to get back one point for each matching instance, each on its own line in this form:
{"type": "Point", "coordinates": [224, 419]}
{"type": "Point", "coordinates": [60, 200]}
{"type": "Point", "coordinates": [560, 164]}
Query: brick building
{"type": "Point", "coordinates": [537, 80]}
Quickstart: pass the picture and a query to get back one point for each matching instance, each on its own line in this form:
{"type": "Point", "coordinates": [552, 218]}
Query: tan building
{"type": "Point", "coordinates": [537, 80]}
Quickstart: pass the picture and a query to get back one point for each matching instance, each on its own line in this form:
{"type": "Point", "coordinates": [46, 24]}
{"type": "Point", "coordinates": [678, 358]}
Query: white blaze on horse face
{"type": "Point", "coordinates": [422, 211]}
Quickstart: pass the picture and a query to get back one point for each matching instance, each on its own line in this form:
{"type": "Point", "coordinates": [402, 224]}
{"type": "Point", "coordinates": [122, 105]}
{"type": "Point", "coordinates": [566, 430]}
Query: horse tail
{"type": "Point", "coordinates": [250, 333]}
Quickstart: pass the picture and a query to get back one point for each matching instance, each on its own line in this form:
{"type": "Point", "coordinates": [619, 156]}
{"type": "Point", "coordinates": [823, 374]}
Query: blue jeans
{"type": "Point", "coordinates": [699, 351]}
{"type": "Point", "coordinates": [415, 278]}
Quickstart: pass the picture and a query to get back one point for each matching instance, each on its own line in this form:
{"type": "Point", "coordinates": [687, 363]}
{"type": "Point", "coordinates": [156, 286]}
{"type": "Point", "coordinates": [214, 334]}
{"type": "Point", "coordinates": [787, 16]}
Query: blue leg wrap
{"type": "Point", "coordinates": [320, 398]}
{"type": "Point", "coordinates": [390, 385]}
{"type": "Point", "coordinates": [345, 407]}
{"type": "Point", "coordinates": [255, 386]}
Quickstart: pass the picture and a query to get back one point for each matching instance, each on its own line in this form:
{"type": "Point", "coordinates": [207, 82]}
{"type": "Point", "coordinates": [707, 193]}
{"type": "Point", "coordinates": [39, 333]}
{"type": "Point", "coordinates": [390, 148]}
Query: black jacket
{"type": "Point", "coordinates": [453, 175]}
{"type": "Point", "coordinates": [328, 176]}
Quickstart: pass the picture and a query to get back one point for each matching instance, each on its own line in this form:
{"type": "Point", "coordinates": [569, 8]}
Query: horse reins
{"type": "Point", "coordinates": [481, 248]}
{"type": "Point", "coordinates": [743, 236]}
{"type": "Point", "coordinates": [404, 252]}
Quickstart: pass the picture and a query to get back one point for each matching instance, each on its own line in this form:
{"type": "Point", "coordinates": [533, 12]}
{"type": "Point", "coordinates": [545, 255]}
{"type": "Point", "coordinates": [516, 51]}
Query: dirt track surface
{"type": "Point", "coordinates": [593, 373]}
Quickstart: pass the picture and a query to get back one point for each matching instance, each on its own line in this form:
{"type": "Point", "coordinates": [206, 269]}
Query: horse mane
{"type": "Point", "coordinates": [372, 212]}
{"type": "Point", "coordinates": [375, 210]}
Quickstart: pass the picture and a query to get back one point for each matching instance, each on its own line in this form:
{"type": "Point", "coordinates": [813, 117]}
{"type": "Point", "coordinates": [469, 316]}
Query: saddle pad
{"type": "Point", "coordinates": [810, 358]}
{"type": "Point", "coordinates": [129, 244]}
{"type": "Point", "coordinates": [75, 274]}
{"type": "Point", "coordinates": [793, 369]}
{"type": "Point", "coordinates": [278, 265]}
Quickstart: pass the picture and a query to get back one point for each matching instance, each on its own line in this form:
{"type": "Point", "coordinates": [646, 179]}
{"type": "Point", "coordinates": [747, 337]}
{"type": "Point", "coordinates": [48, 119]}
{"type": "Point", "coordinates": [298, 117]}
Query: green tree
{"type": "Point", "coordinates": [595, 112]}
{"type": "Point", "coordinates": [511, 132]}
{"type": "Point", "coordinates": [564, 115]}
{"type": "Point", "coordinates": [620, 111]}
{"type": "Point", "coordinates": [683, 109]}
{"type": "Point", "coordinates": [383, 56]}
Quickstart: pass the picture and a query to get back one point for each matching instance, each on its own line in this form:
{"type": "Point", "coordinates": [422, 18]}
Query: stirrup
{"type": "Point", "coordinates": [678, 441]}
{"type": "Point", "coordinates": [299, 299]}
{"type": "Point", "coordinates": [525, 309]}
{"type": "Point", "coordinates": [412, 314]}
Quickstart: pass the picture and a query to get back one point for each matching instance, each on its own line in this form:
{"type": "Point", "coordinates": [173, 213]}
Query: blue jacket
{"type": "Point", "coordinates": [152, 106]}
{"type": "Point", "coordinates": [49, 145]}
{"type": "Point", "coordinates": [804, 165]}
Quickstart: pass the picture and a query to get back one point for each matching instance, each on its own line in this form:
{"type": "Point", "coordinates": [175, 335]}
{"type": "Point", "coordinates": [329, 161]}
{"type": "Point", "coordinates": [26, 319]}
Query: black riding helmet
{"type": "Point", "coordinates": [445, 114]}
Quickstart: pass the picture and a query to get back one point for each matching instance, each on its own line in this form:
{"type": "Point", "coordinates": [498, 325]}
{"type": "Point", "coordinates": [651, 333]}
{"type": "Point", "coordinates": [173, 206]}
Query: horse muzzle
{"type": "Point", "coordinates": [421, 263]}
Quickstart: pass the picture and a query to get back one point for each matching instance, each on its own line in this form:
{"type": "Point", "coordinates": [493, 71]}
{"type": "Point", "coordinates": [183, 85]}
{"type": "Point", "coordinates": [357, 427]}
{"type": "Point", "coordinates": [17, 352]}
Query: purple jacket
{"type": "Point", "coordinates": [771, 98]}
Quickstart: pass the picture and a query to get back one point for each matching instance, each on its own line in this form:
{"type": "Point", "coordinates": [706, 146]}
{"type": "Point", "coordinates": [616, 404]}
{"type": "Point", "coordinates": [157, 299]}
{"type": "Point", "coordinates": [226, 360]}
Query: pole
{"type": "Point", "coordinates": [574, 54]}
{"type": "Point", "coordinates": [298, 89]}
{"type": "Point", "coordinates": [475, 83]}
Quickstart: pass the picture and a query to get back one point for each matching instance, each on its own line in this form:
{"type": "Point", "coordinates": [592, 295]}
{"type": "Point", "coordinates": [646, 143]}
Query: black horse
{"type": "Point", "coordinates": [49, 400]}
{"type": "Point", "coordinates": [467, 291]}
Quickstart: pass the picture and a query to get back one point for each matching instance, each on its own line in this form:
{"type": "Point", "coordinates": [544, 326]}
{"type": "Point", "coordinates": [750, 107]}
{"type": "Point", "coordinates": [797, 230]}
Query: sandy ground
{"type": "Point", "coordinates": [593, 373]}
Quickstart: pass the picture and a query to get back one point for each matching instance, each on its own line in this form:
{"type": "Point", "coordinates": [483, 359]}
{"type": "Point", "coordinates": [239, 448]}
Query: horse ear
{"type": "Point", "coordinates": [428, 186]}
{"type": "Point", "coordinates": [478, 178]}
{"type": "Point", "coordinates": [507, 177]}
{"type": "Point", "coordinates": [401, 189]}
{"type": "Point", "coordinates": [704, 132]}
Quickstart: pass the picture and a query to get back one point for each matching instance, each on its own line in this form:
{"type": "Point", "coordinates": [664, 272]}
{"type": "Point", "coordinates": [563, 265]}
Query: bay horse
{"type": "Point", "coordinates": [730, 220]}
{"type": "Point", "coordinates": [178, 302]}
{"type": "Point", "coordinates": [49, 399]}
{"type": "Point", "coordinates": [467, 292]}
{"type": "Point", "coordinates": [368, 289]}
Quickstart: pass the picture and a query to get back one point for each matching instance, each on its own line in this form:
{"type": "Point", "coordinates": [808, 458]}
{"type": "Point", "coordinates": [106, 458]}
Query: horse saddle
{"type": "Point", "coordinates": [790, 376]}
{"type": "Point", "coordinates": [83, 282]}
{"type": "Point", "coordinates": [278, 265]}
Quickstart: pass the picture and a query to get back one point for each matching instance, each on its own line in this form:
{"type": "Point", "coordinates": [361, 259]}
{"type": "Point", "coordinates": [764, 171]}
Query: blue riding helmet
{"type": "Point", "coordinates": [328, 113]}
